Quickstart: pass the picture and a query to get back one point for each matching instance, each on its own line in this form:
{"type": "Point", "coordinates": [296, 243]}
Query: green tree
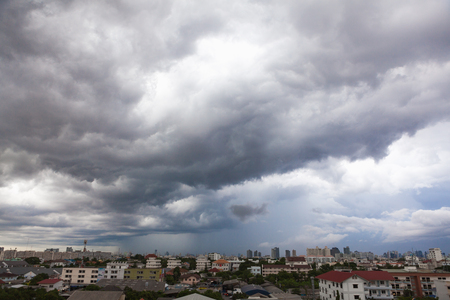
{"type": "Point", "coordinates": [38, 277]}
{"type": "Point", "coordinates": [33, 260]}
{"type": "Point", "coordinates": [92, 287]}
{"type": "Point", "coordinates": [239, 296]}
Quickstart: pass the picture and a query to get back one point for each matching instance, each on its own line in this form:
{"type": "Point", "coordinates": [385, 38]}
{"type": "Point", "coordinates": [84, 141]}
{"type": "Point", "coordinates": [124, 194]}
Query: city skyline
{"type": "Point", "coordinates": [225, 125]}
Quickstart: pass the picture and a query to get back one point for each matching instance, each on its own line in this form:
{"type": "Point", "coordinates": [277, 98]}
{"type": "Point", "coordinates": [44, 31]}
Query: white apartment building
{"type": "Point", "coordinates": [435, 253]}
{"type": "Point", "coordinates": [172, 263]}
{"type": "Point", "coordinates": [80, 276]}
{"type": "Point", "coordinates": [153, 263]}
{"type": "Point", "coordinates": [203, 263]}
{"type": "Point", "coordinates": [115, 270]}
{"type": "Point", "coordinates": [356, 285]}
{"type": "Point", "coordinates": [255, 270]}
{"type": "Point", "coordinates": [221, 264]}
{"type": "Point", "coordinates": [214, 256]}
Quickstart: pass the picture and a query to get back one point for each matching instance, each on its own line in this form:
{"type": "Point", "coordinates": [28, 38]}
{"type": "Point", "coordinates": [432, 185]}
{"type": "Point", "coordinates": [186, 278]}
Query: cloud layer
{"type": "Point", "coordinates": [128, 119]}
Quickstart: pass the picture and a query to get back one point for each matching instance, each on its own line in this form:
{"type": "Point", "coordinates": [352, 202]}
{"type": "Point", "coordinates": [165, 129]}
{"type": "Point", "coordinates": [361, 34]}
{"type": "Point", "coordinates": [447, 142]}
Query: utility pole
{"type": "Point", "coordinates": [312, 287]}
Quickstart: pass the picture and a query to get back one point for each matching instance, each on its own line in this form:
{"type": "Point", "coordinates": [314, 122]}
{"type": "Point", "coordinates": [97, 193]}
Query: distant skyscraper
{"type": "Point", "coordinates": [255, 254]}
{"type": "Point", "coordinates": [275, 253]}
{"type": "Point", "coordinates": [347, 250]}
{"type": "Point", "coordinates": [259, 254]}
{"type": "Point", "coordinates": [334, 251]}
{"type": "Point", "coordinates": [294, 253]}
{"type": "Point", "coordinates": [288, 253]}
{"type": "Point", "coordinates": [249, 253]}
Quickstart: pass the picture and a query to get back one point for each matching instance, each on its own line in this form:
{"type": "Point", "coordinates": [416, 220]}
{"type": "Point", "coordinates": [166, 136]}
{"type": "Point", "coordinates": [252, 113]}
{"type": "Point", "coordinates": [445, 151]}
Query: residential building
{"type": "Point", "coordinates": [51, 284]}
{"type": "Point", "coordinates": [318, 251]}
{"type": "Point", "coordinates": [422, 284]}
{"type": "Point", "coordinates": [80, 276]}
{"type": "Point", "coordinates": [115, 270]}
{"type": "Point", "coordinates": [172, 263]}
{"type": "Point", "coordinates": [275, 269]}
{"type": "Point", "coordinates": [153, 262]}
{"type": "Point", "coordinates": [214, 256]}
{"type": "Point", "coordinates": [356, 285]}
{"type": "Point", "coordinates": [202, 263]}
{"type": "Point", "coordinates": [152, 274]}
{"type": "Point", "coordinates": [221, 264]}
{"type": "Point", "coordinates": [435, 253]}
{"type": "Point", "coordinates": [191, 279]}
{"type": "Point", "coordinates": [320, 259]}
{"type": "Point", "coordinates": [8, 276]}
{"type": "Point", "coordinates": [296, 260]}
{"type": "Point", "coordinates": [255, 270]}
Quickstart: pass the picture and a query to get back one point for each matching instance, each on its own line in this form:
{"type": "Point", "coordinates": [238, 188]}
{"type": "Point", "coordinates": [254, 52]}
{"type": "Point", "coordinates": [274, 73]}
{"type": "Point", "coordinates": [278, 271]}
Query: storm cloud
{"type": "Point", "coordinates": [136, 118]}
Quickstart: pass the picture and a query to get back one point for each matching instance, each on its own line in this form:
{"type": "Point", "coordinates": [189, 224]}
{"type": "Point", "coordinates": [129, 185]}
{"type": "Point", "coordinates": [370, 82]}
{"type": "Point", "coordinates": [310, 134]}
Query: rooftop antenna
{"type": "Point", "coordinates": [85, 242]}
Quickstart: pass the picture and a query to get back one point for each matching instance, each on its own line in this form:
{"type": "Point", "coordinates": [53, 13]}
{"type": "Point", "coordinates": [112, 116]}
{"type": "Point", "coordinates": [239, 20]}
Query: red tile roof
{"type": "Point", "coordinates": [296, 258]}
{"type": "Point", "coordinates": [49, 281]}
{"type": "Point", "coordinates": [214, 270]}
{"type": "Point", "coordinates": [221, 261]}
{"type": "Point", "coordinates": [150, 255]}
{"type": "Point", "coordinates": [2, 282]}
{"type": "Point", "coordinates": [337, 276]}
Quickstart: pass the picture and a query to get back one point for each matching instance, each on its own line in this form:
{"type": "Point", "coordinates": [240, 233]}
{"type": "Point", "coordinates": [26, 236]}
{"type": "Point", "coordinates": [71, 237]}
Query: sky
{"type": "Point", "coordinates": [223, 126]}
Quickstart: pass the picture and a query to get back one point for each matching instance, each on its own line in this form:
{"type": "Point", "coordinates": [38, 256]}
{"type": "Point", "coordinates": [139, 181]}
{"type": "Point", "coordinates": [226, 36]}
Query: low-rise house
{"type": "Point", "coordinates": [8, 276]}
{"type": "Point", "coordinates": [214, 271]}
{"type": "Point", "coordinates": [14, 264]}
{"type": "Point", "coordinates": [51, 284]}
{"type": "Point", "coordinates": [296, 260]}
{"type": "Point", "coordinates": [275, 269]}
{"type": "Point", "coordinates": [191, 279]}
{"type": "Point", "coordinates": [136, 284]}
{"type": "Point", "coordinates": [355, 285]}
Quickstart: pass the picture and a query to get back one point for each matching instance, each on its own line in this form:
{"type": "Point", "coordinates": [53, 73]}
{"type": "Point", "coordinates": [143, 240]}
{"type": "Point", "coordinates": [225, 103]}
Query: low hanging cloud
{"type": "Point", "coordinates": [246, 212]}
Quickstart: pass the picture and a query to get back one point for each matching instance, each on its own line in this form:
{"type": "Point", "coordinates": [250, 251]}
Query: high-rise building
{"type": "Point", "coordinates": [334, 251]}
{"type": "Point", "coordinates": [275, 253]}
{"type": "Point", "coordinates": [255, 254]}
{"type": "Point", "coordinates": [288, 253]}
{"type": "Point", "coordinates": [318, 251]}
{"type": "Point", "coordinates": [259, 254]}
{"type": "Point", "coordinates": [347, 250]}
{"type": "Point", "coordinates": [249, 253]}
{"type": "Point", "coordinates": [294, 253]}
{"type": "Point", "coordinates": [435, 253]}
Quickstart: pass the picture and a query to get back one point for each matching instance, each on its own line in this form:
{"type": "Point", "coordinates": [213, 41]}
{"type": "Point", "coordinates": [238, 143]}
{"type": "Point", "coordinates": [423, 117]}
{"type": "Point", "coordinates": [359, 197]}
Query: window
{"type": "Point", "coordinates": [355, 286]}
{"type": "Point", "coordinates": [69, 271]}
{"type": "Point", "coordinates": [106, 272]}
{"type": "Point", "coordinates": [95, 271]}
{"type": "Point", "coordinates": [341, 285]}
{"type": "Point", "coordinates": [140, 277]}
{"type": "Point", "coordinates": [80, 276]}
{"type": "Point", "coordinates": [82, 271]}
{"type": "Point", "coordinates": [381, 282]}
{"type": "Point", "coordinates": [93, 276]}
{"type": "Point", "coordinates": [140, 272]}
{"type": "Point", "coordinates": [356, 297]}
{"type": "Point", "coordinates": [93, 281]}
{"type": "Point", "coordinates": [80, 281]}
{"type": "Point", "coordinates": [127, 272]}
{"type": "Point", "coordinates": [126, 277]}
{"type": "Point", "coordinates": [383, 291]}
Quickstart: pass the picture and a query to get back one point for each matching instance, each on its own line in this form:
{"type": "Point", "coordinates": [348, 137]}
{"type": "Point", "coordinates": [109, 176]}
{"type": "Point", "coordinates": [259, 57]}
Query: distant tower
{"type": "Point", "coordinates": [85, 243]}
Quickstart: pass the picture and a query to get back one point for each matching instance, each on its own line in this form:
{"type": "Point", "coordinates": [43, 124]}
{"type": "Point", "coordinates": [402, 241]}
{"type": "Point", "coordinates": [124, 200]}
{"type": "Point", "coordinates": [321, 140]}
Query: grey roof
{"type": "Point", "coordinates": [25, 270]}
{"type": "Point", "coordinates": [253, 289]}
{"type": "Point", "coordinates": [13, 264]}
{"type": "Point", "coordinates": [97, 295]}
{"type": "Point", "coordinates": [135, 284]}
{"type": "Point", "coordinates": [195, 297]}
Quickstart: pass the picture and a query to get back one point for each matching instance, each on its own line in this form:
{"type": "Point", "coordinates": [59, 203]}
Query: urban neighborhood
{"type": "Point", "coordinates": [322, 274]}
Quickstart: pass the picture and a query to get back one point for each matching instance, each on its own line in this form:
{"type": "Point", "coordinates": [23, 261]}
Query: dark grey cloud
{"type": "Point", "coordinates": [244, 212]}
{"type": "Point", "coordinates": [346, 81]}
